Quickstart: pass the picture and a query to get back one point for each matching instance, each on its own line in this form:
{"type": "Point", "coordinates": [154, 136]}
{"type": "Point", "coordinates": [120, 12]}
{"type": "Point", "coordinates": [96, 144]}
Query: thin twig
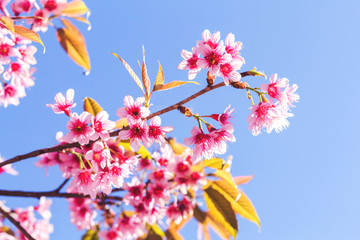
{"type": "Point", "coordinates": [57, 190]}
{"type": "Point", "coordinates": [16, 223]}
{"type": "Point", "coordinates": [11, 193]}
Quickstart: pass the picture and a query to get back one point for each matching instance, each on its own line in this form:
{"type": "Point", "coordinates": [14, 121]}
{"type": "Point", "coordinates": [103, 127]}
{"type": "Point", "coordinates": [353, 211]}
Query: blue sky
{"type": "Point", "coordinates": [306, 178]}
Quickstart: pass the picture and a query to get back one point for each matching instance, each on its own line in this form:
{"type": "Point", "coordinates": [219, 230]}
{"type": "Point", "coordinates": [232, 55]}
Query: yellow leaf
{"type": "Point", "coordinates": [27, 33]}
{"type": "Point", "coordinates": [121, 123]}
{"type": "Point", "coordinates": [174, 84]}
{"type": "Point", "coordinates": [73, 43]}
{"type": "Point", "coordinates": [75, 8]}
{"type": "Point", "coordinates": [7, 23]}
{"type": "Point", "coordinates": [216, 163]}
{"type": "Point", "coordinates": [142, 151]}
{"type": "Point", "coordinates": [159, 81]}
{"type": "Point", "coordinates": [205, 218]}
{"type": "Point", "coordinates": [132, 73]}
{"type": "Point", "coordinates": [156, 229]}
{"type": "Point", "coordinates": [220, 208]}
{"type": "Point", "coordinates": [7, 230]}
{"type": "Point", "coordinates": [225, 175]}
{"type": "Point", "coordinates": [82, 19]}
{"type": "Point", "coordinates": [241, 205]}
{"type": "Point", "coordinates": [177, 147]}
{"type": "Point", "coordinates": [242, 179]}
{"type": "Point", "coordinates": [91, 106]}
{"type": "Point", "coordinates": [90, 235]}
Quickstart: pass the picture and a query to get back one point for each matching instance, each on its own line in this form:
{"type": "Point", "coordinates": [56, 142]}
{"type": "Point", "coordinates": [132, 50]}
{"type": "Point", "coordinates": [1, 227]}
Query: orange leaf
{"type": "Point", "coordinates": [242, 179]}
{"type": "Point", "coordinates": [27, 33]}
{"type": "Point", "coordinates": [132, 73]}
{"type": "Point", "coordinates": [174, 84]}
{"type": "Point", "coordinates": [73, 43]}
{"type": "Point", "coordinates": [159, 81]}
{"type": "Point", "coordinates": [172, 234]}
{"type": "Point", "coordinates": [7, 23]}
{"type": "Point", "coordinates": [74, 8]}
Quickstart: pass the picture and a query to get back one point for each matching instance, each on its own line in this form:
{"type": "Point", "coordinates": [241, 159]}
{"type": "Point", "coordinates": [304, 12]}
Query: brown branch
{"type": "Point", "coordinates": [115, 133]}
{"type": "Point", "coordinates": [16, 223]}
{"type": "Point", "coordinates": [61, 185]}
{"type": "Point", "coordinates": [11, 193]}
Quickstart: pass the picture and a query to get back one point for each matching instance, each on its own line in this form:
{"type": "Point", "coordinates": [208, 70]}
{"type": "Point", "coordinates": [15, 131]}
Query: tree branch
{"type": "Point", "coordinates": [115, 133]}
{"type": "Point", "coordinates": [16, 223]}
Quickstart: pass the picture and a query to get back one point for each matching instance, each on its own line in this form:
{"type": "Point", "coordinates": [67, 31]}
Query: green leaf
{"type": "Point", "coordinates": [132, 73]}
{"type": "Point", "coordinates": [220, 208]}
{"type": "Point", "coordinates": [159, 81]}
{"type": "Point", "coordinates": [90, 235]}
{"type": "Point", "coordinates": [74, 44]}
{"type": "Point", "coordinates": [239, 201]}
{"type": "Point", "coordinates": [91, 106]}
{"type": "Point", "coordinates": [254, 72]}
{"type": "Point", "coordinates": [174, 84]}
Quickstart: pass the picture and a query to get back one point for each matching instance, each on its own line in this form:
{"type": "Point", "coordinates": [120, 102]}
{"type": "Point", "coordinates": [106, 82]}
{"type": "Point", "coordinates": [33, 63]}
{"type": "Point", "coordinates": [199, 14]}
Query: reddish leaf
{"type": "Point", "coordinates": [145, 76]}
{"type": "Point", "coordinates": [242, 179]}
{"type": "Point", "coordinates": [132, 73]}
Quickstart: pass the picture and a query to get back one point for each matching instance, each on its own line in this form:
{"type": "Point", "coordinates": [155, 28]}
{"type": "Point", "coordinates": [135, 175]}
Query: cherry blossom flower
{"type": "Point", "coordinates": [99, 155]}
{"type": "Point", "coordinates": [229, 71]}
{"type": "Point", "coordinates": [54, 6]}
{"type": "Point", "coordinates": [20, 6]}
{"type": "Point", "coordinates": [179, 210]}
{"type": "Point", "coordinates": [133, 109]}
{"type": "Point", "coordinates": [62, 104]}
{"type": "Point", "coordinates": [135, 191]}
{"type": "Point", "coordinates": [79, 129]}
{"type": "Point", "coordinates": [10, 94]}
{"type": "Point", "coordinates": [27, 54]}
{"type": "Point", "coordinates": [269, 116]}
{"type": "Point", "coordinates": [3, 4]}
{"type": "Point", "coordinates": [212, 40]}
{"type": "Point", "coordinates": [39, 24]}
{"type": "Point", "coordinates": [225, 117]}
{"type": "Point", "coordinates": [137, 134]}
{"type": "Point", "coordinates": [291, 95]}
{"type": "Point", "coordinates": [81, 213]}
{"type": "Point", "coordinates": [44, 208]}
{"type": "Point", "coordinates": [102, 125]}
{"type": "Point", "coordinates": [204, 144]}
{"type": "Point", "coordinates": [233, 48]}
{"type": "Point", "coordinates": [190, 62]}
{"type": "Point", "coordinates": [213, 58]}
{"type": "Point", "coordinates": [130, 227]}
{"type": "Point", "coordinates": [7, 168]}
{"type": "Point", "coordinates": [223, 135]}
{"type": "Point", "coordinates": [159, 191]}
{"type": "Point", "coordinates": [275, 88]}
{"type": "Point", "coordinates": [155, 132]}
{"type": "Point", "coordinates": [84, 182]}
{"type": "Point", "coordinates": [112, 234]}
{"type": "Point", "coordinates": [7, 50]}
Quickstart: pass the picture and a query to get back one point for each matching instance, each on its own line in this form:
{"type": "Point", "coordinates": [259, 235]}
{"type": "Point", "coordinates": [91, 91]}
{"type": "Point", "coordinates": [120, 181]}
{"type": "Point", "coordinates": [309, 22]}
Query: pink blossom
{"type": "Point", "coordinates": [7, 168]}
{"type": "Point", "coordinates": [229, 71]}
{"type": "Point", "coordinates": [112, 234]}
{"type": "Point", "coordinates": [135, 191]}
{"type": "Point", "coordinates": [155, 132]}
{"type": "Point", "coordinates": [81, 213]}
{"type": "Point", "coordinates": [39, 24]}
{"type": "Point", "coordinates": [190, 62]}
{"type": "Point", "coordinates": [84, 182]}
{"type": "Point", "coordinates": [275, 88]}
{"type": "Point", "coordinates": [179, 210]}
{"type": "Point", "coordinates": [7, 50]}
{"type": "Point", "coordinates": [99, 155]}
{"type": "Point", "coordinates": [130, 227]}
{"type": "Point", "coordinates": [212, 40]}
{"type": "Point", "coordinates": [19, 72]}
{"type": "Point", "coordinates": [137, 134]}
{"type": "Point", "coordinates": [133, 109]}
{"type": "Point", "coordinates": [27, 54]}
{"type": "Point", "coordinates": [223, 135]}
{"type": "Point", "coordinates": [62, 104]}
{"type": "Point", "coordinates": [233, 48]}
{"type": "Point", "coordinates": [159, 191]}
{"type": "Point", "coordinates": [225, 117]}
{"type": "Point", "coordinates": [102, 125]}
{"type": "Point", "coordinates": [204, 144]}
{"type": "Point", "coordinates": [43, 208]}
{"type": "Point", "coordinates": [3, 4]}
{"type": "Point", "coordinates": [79, 129]}
{"type": "Point", "coordinates": [20, 6]}
{"type": "Point", "coordinates": [54, 6]}
{"type": "Point", "coordinates": [269, 116]}
{"type": "Point", "coordinates": [213, 58]}
{"type": "Point", "coordinates": [10, 94]}
{"type": "Point", "coordinates": [291, 95]}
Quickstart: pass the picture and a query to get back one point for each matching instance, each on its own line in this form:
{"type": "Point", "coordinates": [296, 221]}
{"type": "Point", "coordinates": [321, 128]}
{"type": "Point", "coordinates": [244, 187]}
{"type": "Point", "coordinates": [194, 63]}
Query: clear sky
{"type": "Point", "coordinates": [306, 178]}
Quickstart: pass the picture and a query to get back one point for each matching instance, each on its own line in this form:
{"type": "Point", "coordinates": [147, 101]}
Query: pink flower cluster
{"type": "Point", "coordinates": [139, 132]}
{"type": "Point", "coordinates": [272, 114]}
{"type": "Point", "coordinates": [221, 59]}
{"type": "Point", "coordinates": [39, 229]}
{"type": "Point", "coordinates": [215, 141]}
{"type": "Point", "coordinates": [16, 73]}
